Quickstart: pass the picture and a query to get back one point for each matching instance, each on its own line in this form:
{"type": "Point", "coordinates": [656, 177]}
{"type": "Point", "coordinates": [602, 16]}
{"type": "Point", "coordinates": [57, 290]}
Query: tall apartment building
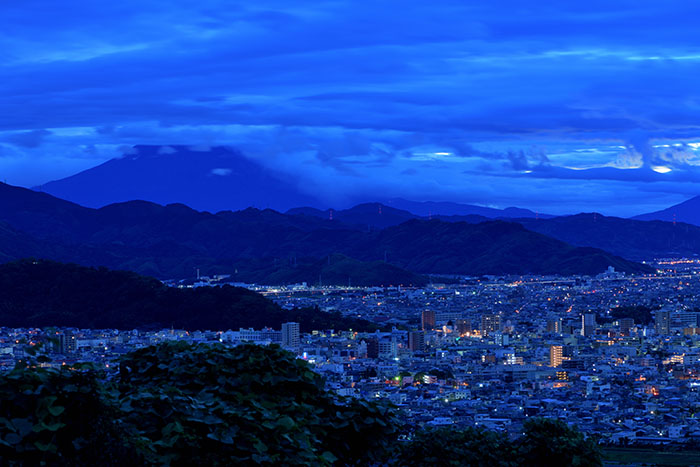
{"type": "Point", "coordinates": [388, 348]}
{"type": "Point", "coordinates": [373, 347]}
{"type": "Point", "coordinates": [554, 326]}
{"type": "Point", "coordinates": [290, 335]}
{"type": "Point", "coordinates": [556, 355]}
{"type": "Point", "coordinates": [490, 324]}
{"type": "Point", "coordinates": [427, 320]}
{"type": "Point", "coordinates": [688, 319]}
{"type": "Point", "coordinates": [588, 324]}
{"type": "Point", "coordinates": [662, 322]}
{"type": "Point", "coordinates": [416, 341]}
{"type": "Point", "coordinates": [66, 343]}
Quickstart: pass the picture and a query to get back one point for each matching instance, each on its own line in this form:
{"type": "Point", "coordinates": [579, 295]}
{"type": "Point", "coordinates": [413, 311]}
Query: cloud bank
{"type": "Point", "coordinates": [555, 106]}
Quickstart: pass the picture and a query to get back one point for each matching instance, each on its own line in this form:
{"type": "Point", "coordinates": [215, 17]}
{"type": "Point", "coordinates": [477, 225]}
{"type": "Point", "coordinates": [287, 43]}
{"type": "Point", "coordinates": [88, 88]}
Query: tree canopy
{"type": "Point", "coordinates": [181, 404]}
{"type": "Point", "coordinates": [544, 442]}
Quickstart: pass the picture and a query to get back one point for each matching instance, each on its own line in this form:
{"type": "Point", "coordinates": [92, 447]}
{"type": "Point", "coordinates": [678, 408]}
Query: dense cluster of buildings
{"type": "Point", "coordinates": [617, 356]}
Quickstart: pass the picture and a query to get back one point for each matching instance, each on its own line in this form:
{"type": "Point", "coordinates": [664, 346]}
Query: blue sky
{"type": "Point", "coordinates": [556, 106]}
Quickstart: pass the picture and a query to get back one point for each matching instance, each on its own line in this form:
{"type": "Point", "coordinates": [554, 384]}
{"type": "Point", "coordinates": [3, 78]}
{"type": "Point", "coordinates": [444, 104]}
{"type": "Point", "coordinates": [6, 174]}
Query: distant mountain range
{"type": "Point", "coordinates": [221, 178]}
{"type": "Point", "coordinates": [171, 241]}
{"type": "Point", "coordinates": [629, 238]}
{"type": "Point", "coordinates": [218, 179]}
{"type": "Point", "coordinates": [381, 216]}
{"type": "Point", "coordinates": [433, 208]}
{"type": "Point", "coordinates": [361, 216]}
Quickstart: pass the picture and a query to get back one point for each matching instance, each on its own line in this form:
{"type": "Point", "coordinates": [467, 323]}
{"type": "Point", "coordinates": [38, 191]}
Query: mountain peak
{"type": "Point", "coordinates": [687, 212]}
{"type": "Point", "coordinates": [210, 179]}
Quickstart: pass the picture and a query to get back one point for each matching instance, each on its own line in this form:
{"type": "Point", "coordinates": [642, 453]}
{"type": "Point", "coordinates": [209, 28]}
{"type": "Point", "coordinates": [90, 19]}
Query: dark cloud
{"type": "Point", "coordinates": [26, 139]}
{"type": "Point", "coordinates": [446, 97]}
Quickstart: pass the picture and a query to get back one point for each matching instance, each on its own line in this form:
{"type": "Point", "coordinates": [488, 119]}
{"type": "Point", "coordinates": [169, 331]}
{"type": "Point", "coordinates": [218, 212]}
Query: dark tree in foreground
{"type": "Point", "coordinates": [202, 405]}
{"type": "Point", "coordinates": [552, 442]}
{"type": "Point", "coordinates": [453, 447]}
{"type": "Point", "coordinates": [60, 417]}
{"type": "Point", "coordinates": [545, 442]}
{"type": "Point", "coordinates": [182, 404]}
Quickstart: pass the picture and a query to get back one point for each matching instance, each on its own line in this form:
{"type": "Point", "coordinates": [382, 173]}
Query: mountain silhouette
{"type": "Point", "coordinates": [174, 240]}
{"type": "Point", "coordinates": [214, 179]}
{"type": "Point", "coordinates": [687, 211]}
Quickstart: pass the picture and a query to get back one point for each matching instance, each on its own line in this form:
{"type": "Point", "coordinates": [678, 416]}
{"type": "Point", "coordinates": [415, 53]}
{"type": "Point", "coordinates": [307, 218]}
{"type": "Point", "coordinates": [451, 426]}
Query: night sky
{"type": "Point", "coordinates": [552, 105]}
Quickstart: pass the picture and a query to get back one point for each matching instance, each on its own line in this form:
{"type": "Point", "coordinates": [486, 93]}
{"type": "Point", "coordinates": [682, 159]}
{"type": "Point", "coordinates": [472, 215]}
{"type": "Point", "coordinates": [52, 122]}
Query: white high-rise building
{"type": "Point", "coordinates": [290, 335]}
{"type": "Point", "coordinates": [588, 324]}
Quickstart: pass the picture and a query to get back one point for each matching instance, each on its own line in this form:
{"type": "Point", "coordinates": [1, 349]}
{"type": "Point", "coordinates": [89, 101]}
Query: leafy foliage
{"type": "Point", "coordinates": [451, 447]}
{"type": "Point", "coordinates": [46, 293]}
{"type": "Point", "coordinates": [182, 404]}
{"type": "Point", "coordinates": [208, 404]}
{"type": "Point", "coordinates": [552, 442]}
{"type": "Point", "coordinates": [60, 417]}
{"type": "Point", "coordinates": [545, 442]}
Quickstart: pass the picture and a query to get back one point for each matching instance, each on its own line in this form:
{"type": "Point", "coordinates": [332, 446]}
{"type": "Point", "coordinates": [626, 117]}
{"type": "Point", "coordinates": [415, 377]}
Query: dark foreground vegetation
{"type": "Point", "coordinates": [652, 455]}
{"type": "Point", "coordinates": [46, 293]}
{"type": "Point", "coordinates": [182, 404]}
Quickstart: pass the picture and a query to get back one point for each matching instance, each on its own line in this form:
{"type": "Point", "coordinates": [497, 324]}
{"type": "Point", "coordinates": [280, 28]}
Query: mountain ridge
{"type": "Point", "coordinates": [630, 238]}
{"type": "Point", "coordinates": [220, 178]}
{"type": "Point", "coordinates": [687, 212]}
{"type": "Point", "coordinates": [447, 208]}
{"type": "Point", "coordinates": [174, 240]}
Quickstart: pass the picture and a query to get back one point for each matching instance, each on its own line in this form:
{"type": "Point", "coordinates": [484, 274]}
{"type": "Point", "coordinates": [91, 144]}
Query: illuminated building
{"type": "Point", "coordinates": [66, 343]}
{"type": "Point", "coordinates": [500, 338]}
{"type": "Point", "coordinates": [560, 355]}
{"type": "Point", "coordinates": [490, 324]}
{"type": "Point", "coordinates": [556, 355]}
{"type": "Point", "coordinates": [554, 326]}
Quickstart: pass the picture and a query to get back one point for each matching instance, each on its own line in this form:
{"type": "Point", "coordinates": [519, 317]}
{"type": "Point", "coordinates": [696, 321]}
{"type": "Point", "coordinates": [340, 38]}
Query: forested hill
{"type": "Point", "coordinates": [47, 293]}
{"type": "Point", "coordinates": [259, 246]}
